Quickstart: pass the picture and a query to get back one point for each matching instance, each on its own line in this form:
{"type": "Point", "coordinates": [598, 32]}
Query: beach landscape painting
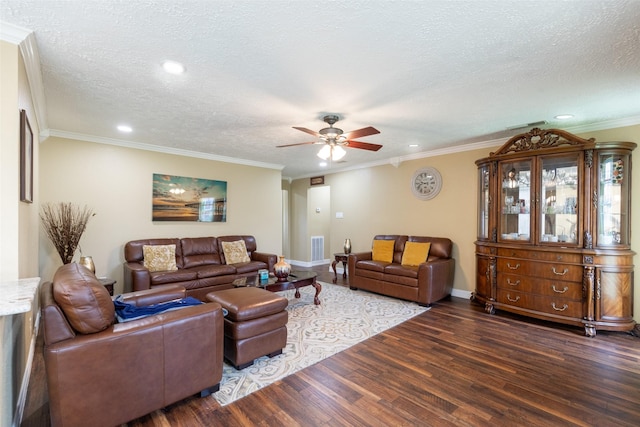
{"type": "Point", "coordinates": [179, 198]}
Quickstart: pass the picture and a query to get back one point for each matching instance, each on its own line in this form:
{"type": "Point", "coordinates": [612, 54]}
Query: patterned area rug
{"type": "Point", "coordinates": [315, 332]}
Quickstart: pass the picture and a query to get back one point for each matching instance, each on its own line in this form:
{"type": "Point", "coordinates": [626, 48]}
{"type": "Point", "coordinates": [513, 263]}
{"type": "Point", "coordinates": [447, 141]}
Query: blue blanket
{"type": "Point", "coordinates": [125, 312]}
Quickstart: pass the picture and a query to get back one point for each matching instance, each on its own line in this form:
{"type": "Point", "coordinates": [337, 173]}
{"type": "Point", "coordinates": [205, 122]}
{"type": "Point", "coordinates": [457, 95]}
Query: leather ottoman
{"type": "Point", "coordinates": [255, 326]}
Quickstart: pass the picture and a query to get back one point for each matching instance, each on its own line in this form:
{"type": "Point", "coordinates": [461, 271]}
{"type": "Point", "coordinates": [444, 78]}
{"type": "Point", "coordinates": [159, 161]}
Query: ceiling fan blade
{"type": "Point", "coordinates": [309, 131]}
{"type": "Point", "coordinates": [362, 132]}
{"type": "Point", "coordinates": [293, 145]}
{"type": "Point", "coordinates": [363, 145]}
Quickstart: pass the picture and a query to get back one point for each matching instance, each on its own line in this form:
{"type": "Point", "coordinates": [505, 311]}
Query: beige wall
{"type": "Point", "coordinates": [378, 200]}
{"type": "Point", "coordinates": [18, 228]}
{"type": "Point", "coordinates": [116, 183]}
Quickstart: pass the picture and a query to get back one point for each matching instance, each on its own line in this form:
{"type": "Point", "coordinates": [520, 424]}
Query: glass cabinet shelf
{"type": "Point", "coordinates": [515, 211]}
{"type": "Point", "coordinates": [559, 199]}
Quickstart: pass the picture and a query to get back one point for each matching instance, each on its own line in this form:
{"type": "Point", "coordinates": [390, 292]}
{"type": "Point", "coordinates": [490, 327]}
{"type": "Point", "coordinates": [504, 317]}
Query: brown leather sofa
{"type": "Point", "coordinates": [102, 373]}
{"type": "Point", "coordinates": [201, 264]}
{"type": "Point", "coordinates": [425, 284]}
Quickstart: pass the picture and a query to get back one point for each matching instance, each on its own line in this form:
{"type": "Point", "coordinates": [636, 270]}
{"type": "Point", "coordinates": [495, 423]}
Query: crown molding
{"type": "Point", "coordinates": [13, 33]}
{"type": "Point", "coordinates": [159, 149]}
{"type": "Point", "coordinates": [607, 124]}
{"type": "Point", "coordinates": [26, 41]}
{"type": "Point", "coordinates": [31, 57]}
{"type": "Point", "coordinates": [396, 161]}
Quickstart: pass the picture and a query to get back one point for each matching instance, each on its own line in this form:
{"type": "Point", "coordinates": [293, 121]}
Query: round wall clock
{"type": "Point", "coordinates": [426, 183]}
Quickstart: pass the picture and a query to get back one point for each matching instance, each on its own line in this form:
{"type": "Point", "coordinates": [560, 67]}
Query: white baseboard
{"type": "Point", "coordinates": [461, 294]}
{"type": "Point", "coordinates": [309, 263]}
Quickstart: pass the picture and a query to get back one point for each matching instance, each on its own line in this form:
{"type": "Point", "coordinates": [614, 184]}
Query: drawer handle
{"type": "Point", "coordinates": [564, 307]}
{"type": "Point", "coordinates": [566, 288]}
{"type": "Point", "coordinates": [516, 299]}
{"type": "Point", "coordinates": [517, 282]}
{"type": "Point", "coordinates": [513, 268]}
{"type": "Point", "coordinates": [566, 270]}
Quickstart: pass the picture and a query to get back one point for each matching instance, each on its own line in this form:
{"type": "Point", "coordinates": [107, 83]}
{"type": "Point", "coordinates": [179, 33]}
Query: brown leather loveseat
{"type": "Point", "coordinates": [200, 264]}
{"type": "Point", "coordinates": [102, 373]}
{"type": "Point", "coordinates": [425, 281]}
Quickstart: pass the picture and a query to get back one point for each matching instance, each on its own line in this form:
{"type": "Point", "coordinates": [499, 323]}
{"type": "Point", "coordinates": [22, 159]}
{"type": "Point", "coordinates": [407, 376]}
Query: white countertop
{"type": "Point", "coordinates": [17, 296]}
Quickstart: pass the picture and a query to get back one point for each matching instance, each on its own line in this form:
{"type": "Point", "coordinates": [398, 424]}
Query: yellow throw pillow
{"type": "Point", "coordinates": [235, 252]}
{"type": "Point", "coordinates": [415, 253]}
{"type": "Point", "coordinates": [383, 250]}
{"type": "Point", "coordinates": [159, 257]}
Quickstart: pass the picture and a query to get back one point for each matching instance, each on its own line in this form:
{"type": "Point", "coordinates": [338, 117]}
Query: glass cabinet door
{"type": "Point", "coordinates": [613, 199]}
{"type": "Point", "coordinates": [558, 206]}
{"type": "Point", "coordinates": [515, 200]}
{"type": "Point", "coordinates": [483, 202]}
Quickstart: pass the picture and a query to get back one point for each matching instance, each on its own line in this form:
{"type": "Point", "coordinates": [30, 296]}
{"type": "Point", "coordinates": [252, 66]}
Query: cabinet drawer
{"type": "Point", "coordinates": [563, 257]}
{"type": "Point", "coordinates": [541, 303]}
{"type": "Point", "coordinates": [557, 288]}
{"type": "Point", "coordinates": [548, 270]}
{"type": "Point", "coordinates": [515, 298]}
{"type": "Point", "coordinates": [558, 306]}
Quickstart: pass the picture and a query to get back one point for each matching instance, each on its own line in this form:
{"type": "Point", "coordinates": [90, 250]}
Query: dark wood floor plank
{"type": "Point", "coordinates": [454, 365]}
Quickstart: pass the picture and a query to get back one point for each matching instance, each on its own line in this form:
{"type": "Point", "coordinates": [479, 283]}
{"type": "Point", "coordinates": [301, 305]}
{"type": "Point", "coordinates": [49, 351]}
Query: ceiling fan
{"type": "Point", "coordinates": [334, 139]}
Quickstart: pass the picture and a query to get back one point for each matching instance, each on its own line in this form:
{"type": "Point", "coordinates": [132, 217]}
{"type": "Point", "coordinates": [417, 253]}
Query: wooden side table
{"type": "Point", "coordinates": [107, 283]}
{"type": "Point", "coordinates": [343, 258]}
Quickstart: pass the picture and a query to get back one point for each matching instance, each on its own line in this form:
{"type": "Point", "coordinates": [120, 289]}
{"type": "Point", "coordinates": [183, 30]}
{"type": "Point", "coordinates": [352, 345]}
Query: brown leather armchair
{"type": "Point", "coordinates": [103, 373]}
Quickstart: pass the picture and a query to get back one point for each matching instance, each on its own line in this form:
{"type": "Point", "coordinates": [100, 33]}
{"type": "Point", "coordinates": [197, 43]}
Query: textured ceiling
{"type": "Point", "coordinates": [439, 74]}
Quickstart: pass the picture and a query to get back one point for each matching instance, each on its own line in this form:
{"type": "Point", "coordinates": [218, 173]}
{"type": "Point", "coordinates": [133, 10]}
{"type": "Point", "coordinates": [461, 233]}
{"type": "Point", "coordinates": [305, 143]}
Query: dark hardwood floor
{"type": "Point", "coordinates": [454, 365]}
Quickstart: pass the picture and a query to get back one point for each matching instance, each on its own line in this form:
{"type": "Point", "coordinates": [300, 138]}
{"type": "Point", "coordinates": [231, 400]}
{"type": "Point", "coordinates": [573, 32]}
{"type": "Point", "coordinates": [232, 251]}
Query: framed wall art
{"type": "Point", "coordinates": [179, 198]}
{"type": "Point", "coordinates": [26, 159]}
{"type": "Point", "coordinates": [316, 180]}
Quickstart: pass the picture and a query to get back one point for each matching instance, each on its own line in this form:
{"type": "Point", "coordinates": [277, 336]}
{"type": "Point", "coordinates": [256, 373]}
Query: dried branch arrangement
{"type": "Point", "coordinates": [64, 224]}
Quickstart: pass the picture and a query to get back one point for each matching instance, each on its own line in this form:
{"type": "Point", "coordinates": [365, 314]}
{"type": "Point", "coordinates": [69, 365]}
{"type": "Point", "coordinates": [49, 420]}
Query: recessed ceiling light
{"type": "Point", "coordinates": [564, 116]}
{"type": "Point", "coordinates": [173, 67]}
{"type": "Point", "coordinates": [124, 128]}
{"type": "Point", "coordinates": [413, 145]}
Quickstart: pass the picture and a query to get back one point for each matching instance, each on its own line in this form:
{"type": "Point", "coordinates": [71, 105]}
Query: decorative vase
{"type": "Point", "coordinates": [347, 246]}
{"type": "Point", "coordinates": [281, 270]}
{"type": "Point", "coordinates": [87, 261]}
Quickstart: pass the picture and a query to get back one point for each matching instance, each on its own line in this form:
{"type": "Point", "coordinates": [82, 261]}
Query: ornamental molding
{"type": "Point", "coordinates": [538, 138]}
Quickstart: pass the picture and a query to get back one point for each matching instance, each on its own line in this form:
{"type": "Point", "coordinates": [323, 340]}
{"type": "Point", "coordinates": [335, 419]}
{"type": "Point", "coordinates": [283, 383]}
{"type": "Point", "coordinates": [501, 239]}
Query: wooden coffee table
{"type": "Point", "coordinates": [296, 280]}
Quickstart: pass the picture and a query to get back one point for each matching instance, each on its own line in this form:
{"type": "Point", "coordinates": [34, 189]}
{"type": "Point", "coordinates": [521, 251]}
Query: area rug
{"type": "Point", "coordinates": [315, 332]}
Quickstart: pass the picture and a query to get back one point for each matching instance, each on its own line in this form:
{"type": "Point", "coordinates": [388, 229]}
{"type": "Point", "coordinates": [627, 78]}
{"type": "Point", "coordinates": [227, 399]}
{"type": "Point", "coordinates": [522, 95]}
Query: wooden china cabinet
{"type": "Point", "coordinates": [554, 230]}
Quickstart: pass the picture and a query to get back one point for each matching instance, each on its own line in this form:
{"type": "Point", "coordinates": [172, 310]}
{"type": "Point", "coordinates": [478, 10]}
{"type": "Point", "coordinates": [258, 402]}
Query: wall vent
{"type": "Point", "coordinates": [317, 248]}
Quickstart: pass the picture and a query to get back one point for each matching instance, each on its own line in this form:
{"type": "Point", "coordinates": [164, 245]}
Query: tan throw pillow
{"type": "Point", "coordinates": [415, 253]}
{"type": "Point", "coordinates": [383, 250]}
{"type": "Point", "coordinates": [235, 252]}
{"type": "Point", "coordinates": [159, 257]}
{"type": "Point", "coordinates": [86, 304]}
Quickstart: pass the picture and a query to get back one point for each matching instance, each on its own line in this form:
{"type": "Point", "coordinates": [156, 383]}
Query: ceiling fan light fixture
{"type": "Point", "coordinates": [333, 152]}
{"type": "Point", "coordinates": [337, 153]}
{"type": "Point", "coordinates": [325, 152]}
